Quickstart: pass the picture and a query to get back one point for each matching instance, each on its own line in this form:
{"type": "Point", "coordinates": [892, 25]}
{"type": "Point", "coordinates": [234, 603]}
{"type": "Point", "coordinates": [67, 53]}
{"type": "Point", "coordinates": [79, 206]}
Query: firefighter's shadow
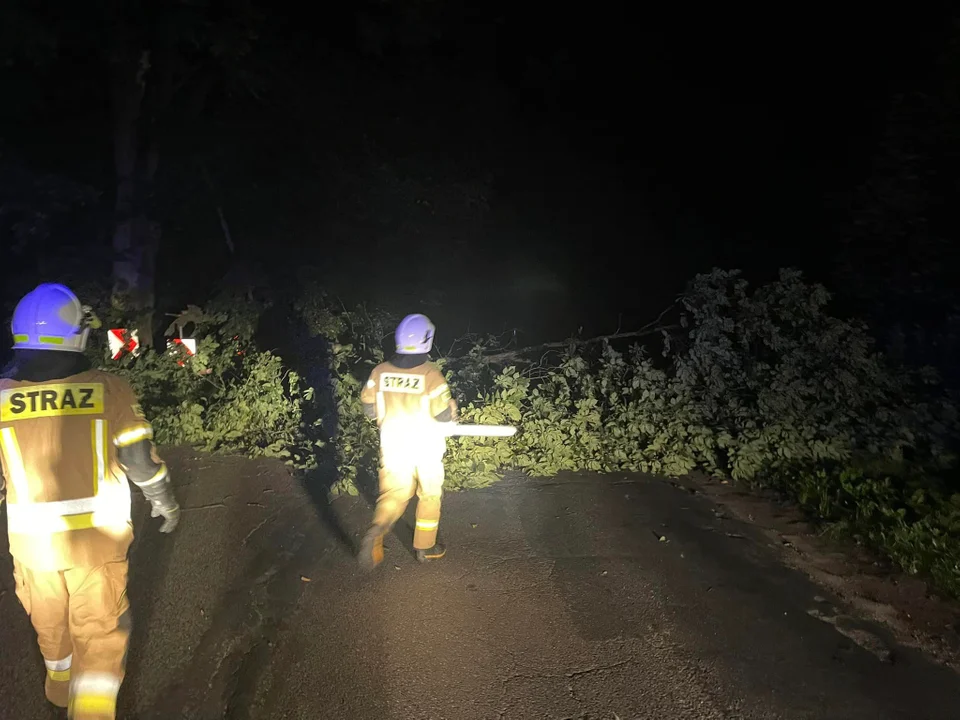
{"type": "Point", "coordinates": [318, 485]}
{"type": "Point", "coordinates": [149, 556]}
{"type": "Point", "coordinates": [403, 530]}
{"type": "Point", "coordinates": [310, 355]}
{"type": "Point", "coordinates": [241, 651]}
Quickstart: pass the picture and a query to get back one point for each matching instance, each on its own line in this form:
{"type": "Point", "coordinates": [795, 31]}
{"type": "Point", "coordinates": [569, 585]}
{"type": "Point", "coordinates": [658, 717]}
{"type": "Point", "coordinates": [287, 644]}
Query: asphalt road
{"type": "Point", "coordinates": [579, 597]}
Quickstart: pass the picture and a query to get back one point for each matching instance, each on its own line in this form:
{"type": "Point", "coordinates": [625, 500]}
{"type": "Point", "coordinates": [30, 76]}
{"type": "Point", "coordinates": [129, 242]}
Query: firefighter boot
{"type": "Point", "coordinates": [371, 548]}
{"type": "Point", "coordinates": [434, 553]}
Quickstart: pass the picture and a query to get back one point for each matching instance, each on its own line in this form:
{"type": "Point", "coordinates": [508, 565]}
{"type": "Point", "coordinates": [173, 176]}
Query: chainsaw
{"type": "Point", "coordinates": [450, 429]}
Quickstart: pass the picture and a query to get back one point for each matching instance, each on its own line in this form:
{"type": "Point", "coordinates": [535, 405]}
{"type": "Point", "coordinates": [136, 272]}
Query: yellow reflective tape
{"type": "Point", "coordinates": [94, 705]}
{"type": "Point", "coordinates": [110, 508]}
{"type": "Point", "coordinates": [133, 435]}
{"type": "Point", "coordinates": [59, 523]}
{"type": "Point", "coordinates": [96, 439]}
{"type": "Point", "coordinates": [21, 338]}
{"type": "Point", "coordinates": [102, 429]}
{"type": "Point", "coordinates": [18, 476]}
{"type": "Point", "coordinates": [75, 522]}
{"type": "Point", "coordinates": [94, 694]}
{"type": "Point", "coordinates": [438, 391]}
{"type": "Point", "coordinates": [427, 524]}
{"type": "Point", "coordinates": [51, 400]}
{"type": "Point", "coordinates": [59, 675]}
{"type": "Point", "coordinates": [50, 340]}
{"type": "Point", "coordinates": [381, 406]}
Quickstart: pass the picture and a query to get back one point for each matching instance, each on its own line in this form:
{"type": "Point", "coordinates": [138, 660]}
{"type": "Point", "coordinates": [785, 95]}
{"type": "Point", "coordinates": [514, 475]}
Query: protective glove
{"type": "Point", "coordinates": [164, 504]}
{"type": "Point", "coordinates": [171, 516]}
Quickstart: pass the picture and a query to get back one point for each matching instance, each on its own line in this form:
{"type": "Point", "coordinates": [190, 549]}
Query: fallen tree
{"type": "Point", "coordinates": [760, 385]}
{"type": "Point", "coordinates": [522, 355]}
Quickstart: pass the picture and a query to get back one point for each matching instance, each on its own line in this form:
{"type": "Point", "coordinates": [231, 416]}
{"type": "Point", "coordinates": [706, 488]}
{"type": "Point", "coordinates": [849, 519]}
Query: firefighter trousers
{"type": "Point", "coordinates": [404, 474]}
{"type": "Point", "coordinates": [82, 619]}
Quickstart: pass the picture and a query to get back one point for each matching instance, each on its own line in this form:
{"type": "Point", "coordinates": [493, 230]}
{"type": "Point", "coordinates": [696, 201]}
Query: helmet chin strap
{"type": "Point", "coordinates": [408, 362]}
{"type": "Point", "coordinates": [45, 366]}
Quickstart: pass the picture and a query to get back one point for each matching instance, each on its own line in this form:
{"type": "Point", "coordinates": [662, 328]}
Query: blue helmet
{"type": "Point", "coordinates": [414, 335]}
{"type": "Point", "coordinates": [49, 318]}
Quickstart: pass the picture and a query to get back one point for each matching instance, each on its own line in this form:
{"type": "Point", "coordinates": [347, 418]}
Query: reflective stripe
{"type": "Point", "coordinates": [90, 683]}
{"type": "Point", "coordinates": [109, 508]}
{"type": "Point", "coordinates": [427, 524]}
{"type": "Point", "coordinates": [18, 476]}
{"type": "Point", "coordinates": [98, 435]}
{"type": "Point", "coordinates": [438, 391]}
{"type": "Point", "coordinates": [21, 338]}
{"type": "Point", "coordinates": [50, 340]}
{"type": "Point", "coordinates": [94, 705]}
{"type": "Point", "coordinates": [133, 435]}
{"type": "Point", "coordinates": [94, 694]}
{"type": "Point", "coordinates": [59, 670]}
{"type": "Point", "coordinates": [381, 405]}
{"type": "Point", "coordinates": [159, 476]}
{"type": "Point", "coordinates": [59, 665]}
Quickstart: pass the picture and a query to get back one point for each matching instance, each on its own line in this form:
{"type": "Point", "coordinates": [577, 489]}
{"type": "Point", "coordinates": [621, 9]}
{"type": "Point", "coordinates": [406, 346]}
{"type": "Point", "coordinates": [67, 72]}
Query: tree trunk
{"type": "Point", "coordinates": [135, 241]}
{"type": "Point", "coordinates": [142, 88]}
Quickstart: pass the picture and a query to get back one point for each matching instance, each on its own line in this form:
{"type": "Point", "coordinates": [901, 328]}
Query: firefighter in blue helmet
{"type": "Point", "coordinates": [70, 439]}
{"type": "Point", "coordinates": [406, 397]}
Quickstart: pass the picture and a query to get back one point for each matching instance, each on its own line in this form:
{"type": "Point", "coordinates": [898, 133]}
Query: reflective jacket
{"type": "Point", "coordinates": [414, 394]}
{"type": "Point", "coordinates": [67, 498]}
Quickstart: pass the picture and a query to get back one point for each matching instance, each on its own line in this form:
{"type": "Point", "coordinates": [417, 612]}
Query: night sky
{"type": "Point", "coordinates": [618, 153]}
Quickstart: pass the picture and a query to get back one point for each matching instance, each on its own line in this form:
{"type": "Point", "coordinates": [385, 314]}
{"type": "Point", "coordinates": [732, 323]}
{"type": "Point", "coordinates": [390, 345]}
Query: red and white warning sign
{"type": "Point", "coordinates": [123, 341]}
{"type": "Point", "coordinates": [188, 344]}
{"type": "Point", "coordinates": [182, 346]}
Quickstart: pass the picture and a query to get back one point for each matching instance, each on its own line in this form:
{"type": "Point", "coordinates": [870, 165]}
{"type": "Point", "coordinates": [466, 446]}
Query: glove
{"type": "Point", "coordinates": [171, 516]}
{"type": "Point", "coordinates": [163, 503]}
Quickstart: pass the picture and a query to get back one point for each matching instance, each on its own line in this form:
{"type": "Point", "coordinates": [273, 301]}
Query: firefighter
{"type": "Point", "coordinates": [70, 439]}
{"type": "Point", "coordinates": [406, 397]}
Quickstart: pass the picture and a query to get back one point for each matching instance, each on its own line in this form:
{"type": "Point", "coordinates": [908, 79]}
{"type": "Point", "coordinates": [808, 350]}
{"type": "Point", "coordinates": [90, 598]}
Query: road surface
{"type": "Point", "coordinates": [579, 597]}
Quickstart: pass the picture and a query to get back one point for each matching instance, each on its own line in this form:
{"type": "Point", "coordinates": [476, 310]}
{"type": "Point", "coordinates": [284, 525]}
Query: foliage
{"type": "Point", "coordinates": [230, 396]}
{"type": "Point", "coordinates": [354, 345]}
{"type": "Point", "coordinates": [760, 382]}
{"type": "Point", "coordinates": [916, 525]}
{"type": "Point", "coordinates": [780, 381]}
{"type": "Point", "coordinates": [762, 385]}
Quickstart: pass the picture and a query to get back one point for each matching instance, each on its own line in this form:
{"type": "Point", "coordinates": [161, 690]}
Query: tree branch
{"type": "Point", "coordinates": [516, 354]}
{"type": "Point", "coordinates": [651, 328]}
